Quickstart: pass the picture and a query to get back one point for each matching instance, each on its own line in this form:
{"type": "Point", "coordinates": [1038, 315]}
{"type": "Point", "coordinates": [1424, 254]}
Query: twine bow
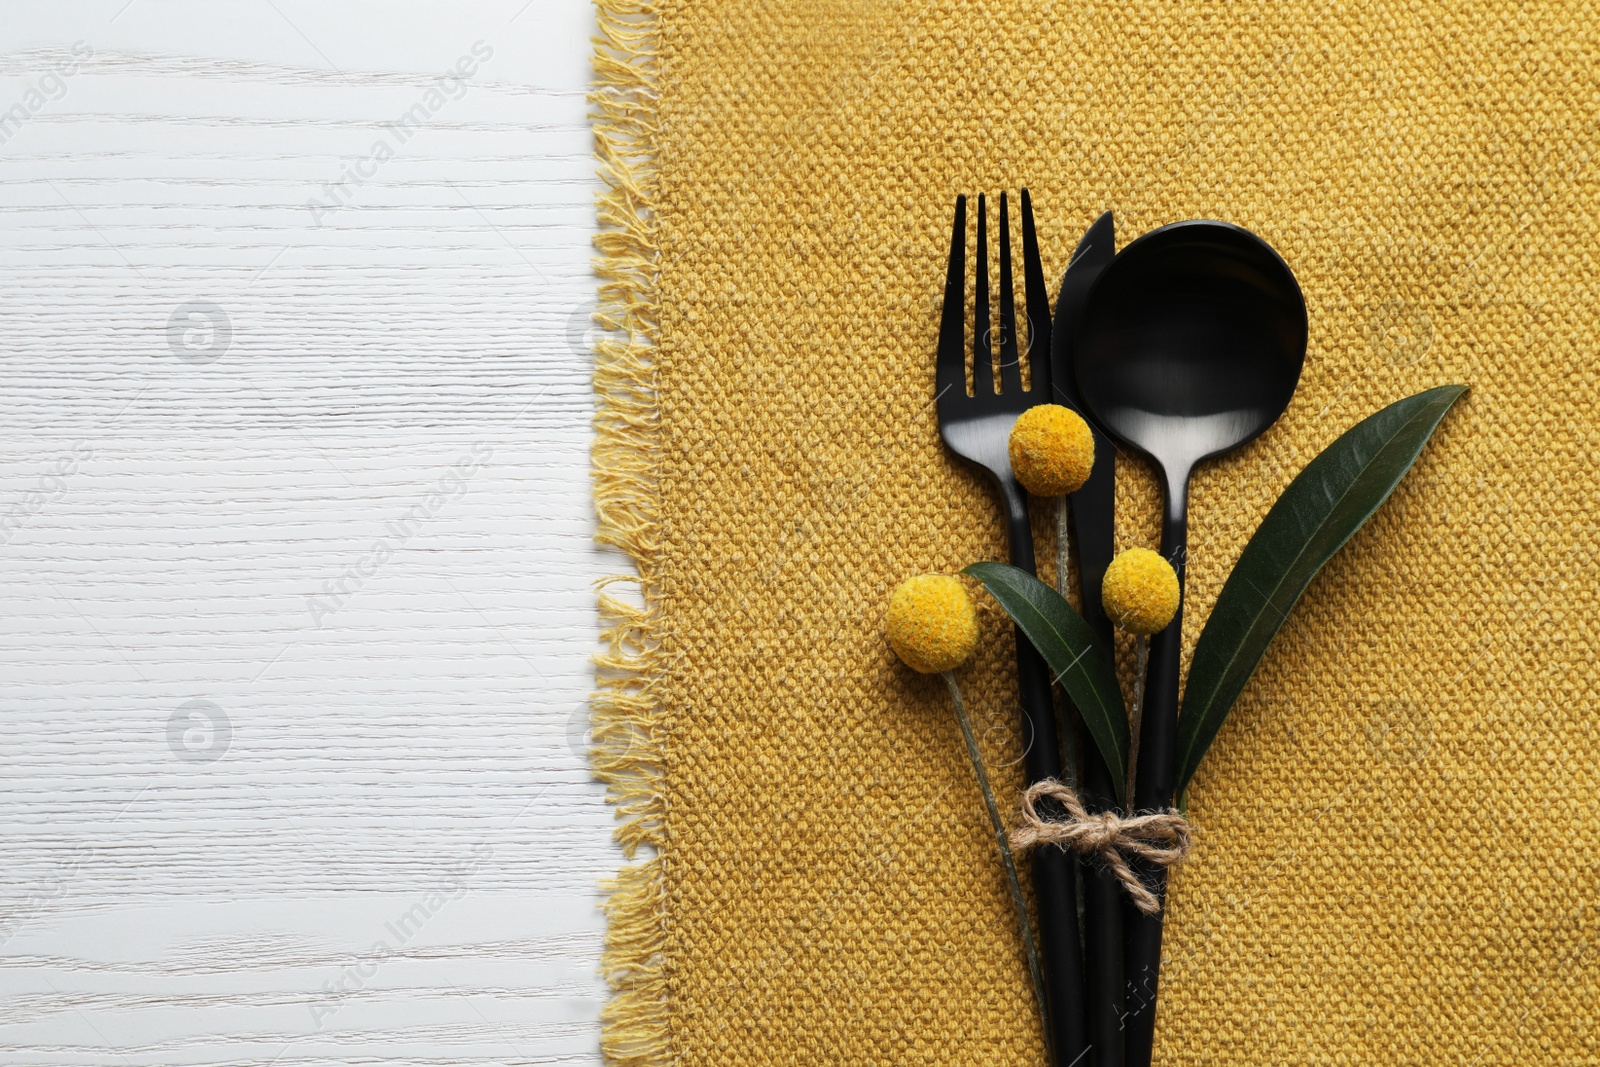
{"type": "Point", "coordinates": [1160, 838]}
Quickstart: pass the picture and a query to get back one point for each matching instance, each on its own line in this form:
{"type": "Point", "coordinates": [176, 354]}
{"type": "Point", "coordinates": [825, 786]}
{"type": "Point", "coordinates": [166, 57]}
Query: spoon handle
{"type": "Point", "coordinates": [1154, 785]}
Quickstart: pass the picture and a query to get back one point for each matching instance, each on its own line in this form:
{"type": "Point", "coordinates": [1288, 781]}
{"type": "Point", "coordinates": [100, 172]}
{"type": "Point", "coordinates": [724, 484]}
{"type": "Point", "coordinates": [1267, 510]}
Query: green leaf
{"type": "Point", "coordinates": [1068, 644]}
{"type": "Point", "coordinates": [1320, 510]}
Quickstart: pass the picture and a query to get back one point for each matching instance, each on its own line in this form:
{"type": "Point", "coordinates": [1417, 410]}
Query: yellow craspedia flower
{"type": "Point", "coordinates": [1052, 450]}
{"type": "Point", "coordinates": [932, 623]}
{"type": "Point", "coordinates": [1140, 591]}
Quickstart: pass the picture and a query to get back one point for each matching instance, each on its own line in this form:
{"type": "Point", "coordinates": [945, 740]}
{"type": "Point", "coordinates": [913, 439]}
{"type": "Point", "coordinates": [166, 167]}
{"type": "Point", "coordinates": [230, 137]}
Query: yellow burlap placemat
{"type": "Point", "coordinates": [1397, 830]}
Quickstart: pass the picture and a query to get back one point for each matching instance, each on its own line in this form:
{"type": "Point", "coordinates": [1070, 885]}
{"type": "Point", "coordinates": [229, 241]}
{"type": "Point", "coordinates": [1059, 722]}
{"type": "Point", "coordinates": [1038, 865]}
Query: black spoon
{"type": "Point", "coordinates": [1189, 345]}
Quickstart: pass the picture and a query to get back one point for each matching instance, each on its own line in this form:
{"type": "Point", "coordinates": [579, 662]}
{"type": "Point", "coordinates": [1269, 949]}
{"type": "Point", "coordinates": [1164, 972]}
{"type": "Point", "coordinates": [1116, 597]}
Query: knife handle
{"type": "Point", "coordinates": [1093, 509]}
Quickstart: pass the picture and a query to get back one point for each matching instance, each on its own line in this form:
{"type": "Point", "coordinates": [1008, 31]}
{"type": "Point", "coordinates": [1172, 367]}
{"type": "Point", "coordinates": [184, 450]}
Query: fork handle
{"type": "Point", "coordinates": [1053, 881]}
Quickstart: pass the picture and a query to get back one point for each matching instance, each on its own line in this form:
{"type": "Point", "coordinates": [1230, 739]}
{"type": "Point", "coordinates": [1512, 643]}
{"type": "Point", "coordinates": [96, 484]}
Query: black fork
{"type": "Point", "coordinates": [977, 428]}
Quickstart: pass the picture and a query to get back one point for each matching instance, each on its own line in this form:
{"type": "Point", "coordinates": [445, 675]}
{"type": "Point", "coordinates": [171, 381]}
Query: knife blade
{"type": "Point", "coordinates": [1093, 518]}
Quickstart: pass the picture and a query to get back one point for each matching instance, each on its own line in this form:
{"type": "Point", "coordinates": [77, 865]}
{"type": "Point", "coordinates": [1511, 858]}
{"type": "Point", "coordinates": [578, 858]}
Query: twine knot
{"type": "Point", "coordinates": [1160, 838]}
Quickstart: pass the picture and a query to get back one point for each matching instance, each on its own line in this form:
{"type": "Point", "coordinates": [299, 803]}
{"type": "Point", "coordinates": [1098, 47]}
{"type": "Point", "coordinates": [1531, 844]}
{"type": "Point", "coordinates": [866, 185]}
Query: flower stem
{"type": "Point", "coordinates": [1141, 667]}
{"type": "Point", "coordinates": [1006, 857]}
{"type": "Point", "coordinates": [1069, 735]}
{"type": "Point", "coordinates": [1063, 547]}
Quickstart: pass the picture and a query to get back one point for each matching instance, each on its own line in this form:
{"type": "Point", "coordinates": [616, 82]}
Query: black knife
{"type": "Point", "coordinates": [1093, 533]}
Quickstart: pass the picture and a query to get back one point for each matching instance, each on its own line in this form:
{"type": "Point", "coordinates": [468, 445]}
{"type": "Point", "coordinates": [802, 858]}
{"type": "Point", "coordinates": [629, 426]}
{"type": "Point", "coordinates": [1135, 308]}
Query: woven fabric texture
{"type": "Point", "coordinates": [1397, 831]}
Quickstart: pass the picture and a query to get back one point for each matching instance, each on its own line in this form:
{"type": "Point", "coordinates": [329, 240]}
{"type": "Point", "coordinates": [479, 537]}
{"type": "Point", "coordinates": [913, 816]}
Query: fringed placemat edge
{"type": "Point", "coordinates": [626, 718]}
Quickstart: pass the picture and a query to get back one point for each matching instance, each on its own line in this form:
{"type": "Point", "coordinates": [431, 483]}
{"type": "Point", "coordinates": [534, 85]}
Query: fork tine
{"type": "Point", "coordinates": [1037, 295]}
{"type": "Point", "coordinates": [1010, 369]}
{"type": "Point", "coordinates": [950, 365]}
{"type": "Point", "coordinates": [982, 357]}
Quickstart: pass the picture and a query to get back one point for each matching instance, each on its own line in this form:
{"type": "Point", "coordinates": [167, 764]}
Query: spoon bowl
{"type": "Point", "coordinates": [1191, 343]}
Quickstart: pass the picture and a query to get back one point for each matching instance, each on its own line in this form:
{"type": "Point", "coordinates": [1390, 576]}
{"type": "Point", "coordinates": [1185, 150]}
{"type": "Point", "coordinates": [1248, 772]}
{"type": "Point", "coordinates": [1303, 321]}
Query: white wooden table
{"type": "Point", "coordinates": [295, 534]}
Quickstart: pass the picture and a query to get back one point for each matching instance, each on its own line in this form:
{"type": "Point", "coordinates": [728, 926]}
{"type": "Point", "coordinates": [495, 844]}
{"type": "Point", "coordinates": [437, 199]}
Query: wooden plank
{"type": "Point", "coordinates": [295, 536]}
